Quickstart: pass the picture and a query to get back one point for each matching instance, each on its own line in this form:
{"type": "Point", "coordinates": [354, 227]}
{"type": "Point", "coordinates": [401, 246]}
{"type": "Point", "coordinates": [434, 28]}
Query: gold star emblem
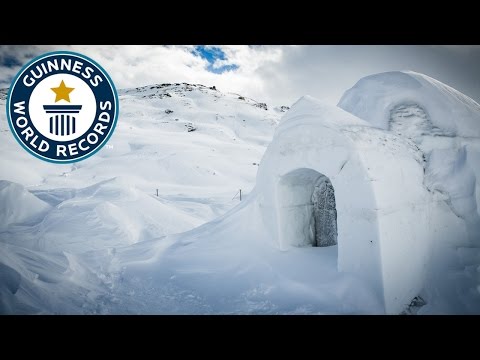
{"type": "Point", "coordinates": [62, 92]}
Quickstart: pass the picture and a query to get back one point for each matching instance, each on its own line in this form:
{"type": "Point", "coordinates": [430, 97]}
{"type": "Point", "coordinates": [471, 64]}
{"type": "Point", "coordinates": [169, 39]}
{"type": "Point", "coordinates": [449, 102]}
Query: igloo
{"type": "Point", "coordinates": [329, 177]}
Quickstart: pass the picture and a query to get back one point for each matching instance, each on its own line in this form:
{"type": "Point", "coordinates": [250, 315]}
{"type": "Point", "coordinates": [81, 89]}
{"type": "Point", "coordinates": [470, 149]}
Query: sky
{"type": "Point", "coordinates": [277, 75]}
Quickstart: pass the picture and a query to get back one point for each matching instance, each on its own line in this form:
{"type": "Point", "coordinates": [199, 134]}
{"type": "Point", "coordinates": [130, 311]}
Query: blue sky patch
{"type": "Point", "coordinates": [212, 54]}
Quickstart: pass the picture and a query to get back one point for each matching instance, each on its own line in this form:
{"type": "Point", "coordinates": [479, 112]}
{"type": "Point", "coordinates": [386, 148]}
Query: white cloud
{"type": "Point", "coordinates": [132, 66]}
{"type": "Point", "coordinates": [274, 74]}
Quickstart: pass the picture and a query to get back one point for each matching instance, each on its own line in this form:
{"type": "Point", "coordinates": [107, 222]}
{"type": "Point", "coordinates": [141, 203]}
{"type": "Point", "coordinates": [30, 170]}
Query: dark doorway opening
{"type": "Point", "coordinates": [324, 213]}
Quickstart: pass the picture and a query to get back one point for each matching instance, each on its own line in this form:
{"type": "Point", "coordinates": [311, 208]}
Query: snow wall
{"type": "Point", "coordinates": [383, 209]}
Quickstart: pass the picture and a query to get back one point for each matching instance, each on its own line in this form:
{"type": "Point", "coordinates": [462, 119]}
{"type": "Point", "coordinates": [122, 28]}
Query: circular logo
{"type": "Point", "coordinates": [62, 107]}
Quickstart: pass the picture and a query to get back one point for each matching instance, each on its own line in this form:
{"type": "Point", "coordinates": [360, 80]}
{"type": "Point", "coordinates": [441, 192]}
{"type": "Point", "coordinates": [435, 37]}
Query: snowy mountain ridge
{"type": "Point", "coordinates": [182, 89]}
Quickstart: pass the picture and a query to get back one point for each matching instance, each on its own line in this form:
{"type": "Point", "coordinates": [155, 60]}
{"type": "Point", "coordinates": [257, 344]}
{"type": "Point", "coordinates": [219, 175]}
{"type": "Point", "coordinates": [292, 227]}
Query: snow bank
{"type": "Point", "coordinates": [108, 214]}
{"type": "Point", "coordinates": [18, 205]}
{"type": "Point", "coordinates": [37, 282]}
{"type": "Point", "coordinates": [227, 267]}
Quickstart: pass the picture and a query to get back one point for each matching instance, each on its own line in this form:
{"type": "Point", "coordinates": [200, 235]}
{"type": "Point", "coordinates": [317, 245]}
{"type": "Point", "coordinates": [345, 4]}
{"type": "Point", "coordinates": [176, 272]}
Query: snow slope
{"type": "Point", "coordinates": [196, 173]}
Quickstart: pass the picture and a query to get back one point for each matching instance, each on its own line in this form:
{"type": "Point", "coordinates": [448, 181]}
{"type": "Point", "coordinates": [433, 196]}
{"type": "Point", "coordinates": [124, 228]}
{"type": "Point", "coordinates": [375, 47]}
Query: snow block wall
{"type": "Point", "coordinates": [381, 203]}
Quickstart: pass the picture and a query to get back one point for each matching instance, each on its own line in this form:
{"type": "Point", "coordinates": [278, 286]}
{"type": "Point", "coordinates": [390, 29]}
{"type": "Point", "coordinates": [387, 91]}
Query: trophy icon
{"type": "Point", "coordinates": [62, 121]}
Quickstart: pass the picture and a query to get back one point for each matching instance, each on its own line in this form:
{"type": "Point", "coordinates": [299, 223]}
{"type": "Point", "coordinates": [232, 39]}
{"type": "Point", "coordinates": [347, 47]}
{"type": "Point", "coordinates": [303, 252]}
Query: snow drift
{"type": "Point", "coordinates": [18, 205]}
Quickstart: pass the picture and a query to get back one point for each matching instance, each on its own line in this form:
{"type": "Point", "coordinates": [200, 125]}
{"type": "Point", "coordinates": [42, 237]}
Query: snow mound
{"type": "Point", "coordinates": [34, 282]}
{"type": "Point", "coordinates": [108, 214]}
{"type": "Point", "coordinates": [18, 205]}
{"type": "Point", "coordinates": [437, 108]}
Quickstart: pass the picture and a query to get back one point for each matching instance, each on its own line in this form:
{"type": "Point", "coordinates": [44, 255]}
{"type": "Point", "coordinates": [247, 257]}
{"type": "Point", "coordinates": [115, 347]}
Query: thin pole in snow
{"type": "Point", "coordinates": [238, 192]}
{"type": "Point", "coordinates": [157, 192]}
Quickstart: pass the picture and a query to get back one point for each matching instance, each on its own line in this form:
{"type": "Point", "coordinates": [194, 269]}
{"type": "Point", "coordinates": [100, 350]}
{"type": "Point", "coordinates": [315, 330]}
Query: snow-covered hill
{"type": "Point", "coordinates": [193, 144]}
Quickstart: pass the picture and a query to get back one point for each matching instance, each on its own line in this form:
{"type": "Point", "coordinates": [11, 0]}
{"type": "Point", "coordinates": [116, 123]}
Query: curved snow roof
{"type": "Point", "coordinates": [373, 97]}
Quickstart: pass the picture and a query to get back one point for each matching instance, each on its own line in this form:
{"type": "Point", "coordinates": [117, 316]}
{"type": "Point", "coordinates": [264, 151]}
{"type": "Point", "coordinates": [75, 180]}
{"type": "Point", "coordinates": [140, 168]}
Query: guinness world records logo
{"type": "Point", "coordinates": [62, 107]}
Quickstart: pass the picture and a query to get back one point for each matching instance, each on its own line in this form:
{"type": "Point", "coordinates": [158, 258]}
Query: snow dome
{"type": "Point", "coordinates": [330, 177]}
{"type": "Point", "coordinates": [412, 104]}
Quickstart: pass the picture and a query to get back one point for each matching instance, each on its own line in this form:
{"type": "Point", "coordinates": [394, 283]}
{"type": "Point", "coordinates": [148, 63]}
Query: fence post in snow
{"type": "Point", "coordinates": [157, 192]}
{"type": "Point", "coordinates": [240, 194]}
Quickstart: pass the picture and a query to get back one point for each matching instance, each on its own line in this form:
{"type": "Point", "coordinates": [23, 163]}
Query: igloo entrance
{"type": "Point", "coordinates": [306, 209]}
{"type": "Point", "coordinates": [324, 213]}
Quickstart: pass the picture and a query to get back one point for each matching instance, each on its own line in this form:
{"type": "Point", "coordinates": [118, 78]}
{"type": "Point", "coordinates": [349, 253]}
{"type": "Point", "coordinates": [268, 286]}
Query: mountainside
{"type": "Point", "coordinates": [194, 145]}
